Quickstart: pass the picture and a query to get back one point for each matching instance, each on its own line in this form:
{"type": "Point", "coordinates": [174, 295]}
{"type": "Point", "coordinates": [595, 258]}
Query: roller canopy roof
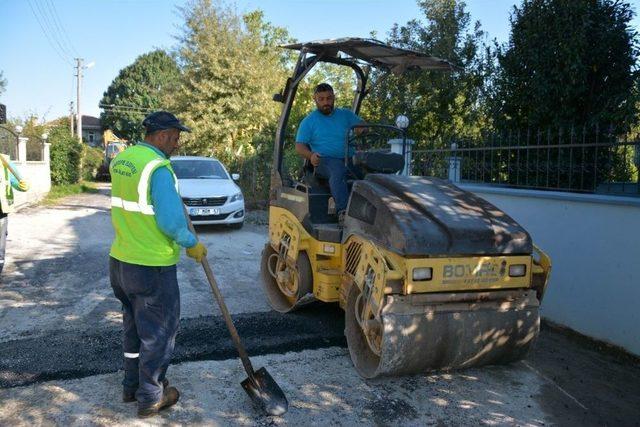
{"type": "Point", "coordinates": [375, 53]}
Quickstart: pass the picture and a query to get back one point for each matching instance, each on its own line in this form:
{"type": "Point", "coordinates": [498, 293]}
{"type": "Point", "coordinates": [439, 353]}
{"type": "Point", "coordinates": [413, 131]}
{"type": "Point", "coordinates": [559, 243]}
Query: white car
{"type": "Point", "coordinates": [208, 191]}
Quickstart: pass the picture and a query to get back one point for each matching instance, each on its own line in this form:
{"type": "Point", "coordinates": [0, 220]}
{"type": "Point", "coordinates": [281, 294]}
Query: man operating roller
{"type": "Point", "coordinates": [150, 227]}
{"type": "Point", "coordinates": [321, 140]}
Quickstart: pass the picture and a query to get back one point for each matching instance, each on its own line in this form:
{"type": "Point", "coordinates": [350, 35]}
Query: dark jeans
{"type": "Point", "coordinates": [151, 312]}
{"type": "Point", "coordinates": [336, 172]}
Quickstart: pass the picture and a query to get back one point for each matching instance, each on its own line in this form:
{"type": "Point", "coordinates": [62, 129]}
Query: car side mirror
{"type": "Point", "coordinates": [235, 176]}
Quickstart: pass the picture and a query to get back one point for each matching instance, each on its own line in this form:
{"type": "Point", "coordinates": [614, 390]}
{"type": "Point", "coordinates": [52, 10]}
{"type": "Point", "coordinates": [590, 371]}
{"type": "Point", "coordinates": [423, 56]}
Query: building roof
{"type": "Point", "coordinates": [91, 122]}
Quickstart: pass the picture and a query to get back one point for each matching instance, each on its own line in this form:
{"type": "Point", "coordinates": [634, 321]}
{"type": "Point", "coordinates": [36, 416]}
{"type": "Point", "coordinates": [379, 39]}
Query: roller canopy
{"type": "Point", "coordinates": [375, 53]}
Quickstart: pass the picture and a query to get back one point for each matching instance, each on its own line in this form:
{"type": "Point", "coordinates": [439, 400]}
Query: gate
{"type": "Point", "coordinates": [8, 142]}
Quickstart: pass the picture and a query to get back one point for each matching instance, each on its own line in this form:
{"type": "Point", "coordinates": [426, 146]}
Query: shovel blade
{"type": "Point", "coordinates": [265, 392]}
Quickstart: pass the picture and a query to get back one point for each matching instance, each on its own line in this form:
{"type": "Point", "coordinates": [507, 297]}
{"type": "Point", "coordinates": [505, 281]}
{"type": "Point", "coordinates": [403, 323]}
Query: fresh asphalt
{"type": "Point", "coordinates": [62, 355]}
{"type": "Point", "coordinates": [60, 336]}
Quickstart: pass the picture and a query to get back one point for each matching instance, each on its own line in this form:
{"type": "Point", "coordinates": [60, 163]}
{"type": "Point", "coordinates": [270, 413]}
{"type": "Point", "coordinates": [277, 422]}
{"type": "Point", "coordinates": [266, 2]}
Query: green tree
{"type": "Point", "coordinates": [231, 69]}
{"type": "Point", "coordinates": [439, 104]}
{"type": "Point", "coordinates": [138, 89]}
{"type": "Point", "coordinates": [569, 63]}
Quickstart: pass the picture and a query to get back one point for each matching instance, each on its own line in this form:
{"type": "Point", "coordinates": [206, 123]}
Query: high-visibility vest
{"type": "Point", "coordinates": [6, 190]}
{"type": "Point", "coordinates": [138, 239]}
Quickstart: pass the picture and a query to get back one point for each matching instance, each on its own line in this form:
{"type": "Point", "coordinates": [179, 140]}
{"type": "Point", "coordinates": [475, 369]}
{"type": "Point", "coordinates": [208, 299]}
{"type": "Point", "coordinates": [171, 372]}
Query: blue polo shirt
{"type": "Point", "coordinates": [326, 134]}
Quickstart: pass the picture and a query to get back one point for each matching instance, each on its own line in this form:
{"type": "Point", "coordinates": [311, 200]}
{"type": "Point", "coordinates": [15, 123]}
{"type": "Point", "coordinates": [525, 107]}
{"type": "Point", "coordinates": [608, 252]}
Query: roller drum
{"type": "Point", "coordinates": [445, 331]}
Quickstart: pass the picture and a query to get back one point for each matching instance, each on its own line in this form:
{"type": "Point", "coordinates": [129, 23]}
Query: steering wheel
{"type": "Point", "coordinates": [351, 139]}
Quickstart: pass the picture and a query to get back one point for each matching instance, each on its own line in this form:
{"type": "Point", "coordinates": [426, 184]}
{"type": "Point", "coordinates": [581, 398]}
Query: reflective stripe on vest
{"type": "Point", "coordinates": [141, 205]}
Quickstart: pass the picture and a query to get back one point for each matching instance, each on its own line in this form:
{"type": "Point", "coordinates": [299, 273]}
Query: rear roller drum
{"type": "Point", "coordinates": [287, 286]}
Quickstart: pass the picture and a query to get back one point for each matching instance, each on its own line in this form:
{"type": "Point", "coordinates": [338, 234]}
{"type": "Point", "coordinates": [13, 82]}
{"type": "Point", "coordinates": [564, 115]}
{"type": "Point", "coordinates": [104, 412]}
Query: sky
{"type": "Point", "coordinates": [41, 38]}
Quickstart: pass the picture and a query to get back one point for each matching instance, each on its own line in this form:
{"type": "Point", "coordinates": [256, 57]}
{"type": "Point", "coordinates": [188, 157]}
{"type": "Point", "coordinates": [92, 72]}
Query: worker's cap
{"type": "Point", "coordinates": [162, 120]}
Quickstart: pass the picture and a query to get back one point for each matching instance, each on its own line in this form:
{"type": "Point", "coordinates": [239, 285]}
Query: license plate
{"type": "Point", "coordinates": [204, 211]}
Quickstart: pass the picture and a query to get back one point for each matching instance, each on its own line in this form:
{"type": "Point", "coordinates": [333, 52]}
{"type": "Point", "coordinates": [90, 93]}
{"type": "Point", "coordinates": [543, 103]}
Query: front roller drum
{"type": "Point", "coordinates": [287, 285]}
{"type": "Point", "coordinates": [426, 332]}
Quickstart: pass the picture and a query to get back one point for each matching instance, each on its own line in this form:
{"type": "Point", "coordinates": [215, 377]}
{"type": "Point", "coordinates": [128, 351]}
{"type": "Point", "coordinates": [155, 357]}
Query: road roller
{"type": "Point", "coordinates": [429, 276]}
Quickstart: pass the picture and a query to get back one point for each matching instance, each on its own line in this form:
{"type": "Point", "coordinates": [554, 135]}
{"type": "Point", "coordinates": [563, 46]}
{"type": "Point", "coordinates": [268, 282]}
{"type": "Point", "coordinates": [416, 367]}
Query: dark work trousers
{"type": "Point", "coordinates": [3, 238]}
{"type": "Point", "coordinates": [151, 312]}
{"type": "Point", "coordinates": [336, 172]}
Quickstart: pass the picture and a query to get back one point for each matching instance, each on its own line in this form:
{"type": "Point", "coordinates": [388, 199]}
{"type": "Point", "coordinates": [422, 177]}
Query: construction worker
{"type": "Point", "coordinates": [150, 226]}
{"type": "Point", "coordinates": [10, 179]}
{"type": "Point", "coordinates": [321, 140]}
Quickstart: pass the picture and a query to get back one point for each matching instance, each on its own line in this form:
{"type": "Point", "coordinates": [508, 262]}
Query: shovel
{"type": "Point", "coordinates": [259, 385]}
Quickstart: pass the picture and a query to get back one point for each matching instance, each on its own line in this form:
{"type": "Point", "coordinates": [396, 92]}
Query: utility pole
{"type": "Point", "coordinates": [78, 111]}
{"type": "Point", "coordinates": [71, 117]}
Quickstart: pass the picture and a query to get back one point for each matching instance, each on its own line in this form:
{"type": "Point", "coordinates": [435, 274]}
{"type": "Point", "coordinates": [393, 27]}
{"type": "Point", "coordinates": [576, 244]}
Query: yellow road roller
{"type": "Point", "coordinates": [430, 276]}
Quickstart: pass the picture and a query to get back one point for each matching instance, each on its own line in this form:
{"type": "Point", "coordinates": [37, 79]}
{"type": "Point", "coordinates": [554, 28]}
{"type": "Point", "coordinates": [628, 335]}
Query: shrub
{"type": "Point", "coordinates": [66, 152]}
{"type": "Point", "coordinates": [91, 160]}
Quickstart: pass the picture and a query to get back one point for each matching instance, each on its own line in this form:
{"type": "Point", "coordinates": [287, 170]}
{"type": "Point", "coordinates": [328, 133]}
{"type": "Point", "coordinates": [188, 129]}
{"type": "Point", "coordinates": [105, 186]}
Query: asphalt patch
{"type": "Point", "coordinates": [74, 354]}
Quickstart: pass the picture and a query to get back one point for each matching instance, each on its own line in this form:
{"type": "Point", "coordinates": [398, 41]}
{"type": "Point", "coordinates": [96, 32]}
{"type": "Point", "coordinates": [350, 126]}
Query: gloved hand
{"type": "Point", "coordinates": [197, 252]}
{"type": "Point", "coordinates": [23, 185]}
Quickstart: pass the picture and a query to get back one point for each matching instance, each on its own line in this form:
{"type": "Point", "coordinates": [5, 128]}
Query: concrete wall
{"type": "Point", "coordinates": [594, 245]}
{"type": "Point", "coordinates": [38, 174]}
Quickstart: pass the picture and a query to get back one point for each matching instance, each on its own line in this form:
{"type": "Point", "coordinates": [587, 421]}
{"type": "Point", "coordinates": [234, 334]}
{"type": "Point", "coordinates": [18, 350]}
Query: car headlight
{"type": "Point", "coordinates": [235, 198]}
{"type": "Point", "coordinates": [422, 274]}
{"type": "Point", "coordinates": [517, 270]}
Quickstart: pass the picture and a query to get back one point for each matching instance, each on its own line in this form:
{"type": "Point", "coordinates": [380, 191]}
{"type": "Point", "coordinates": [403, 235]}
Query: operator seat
{"type": "Point", "coordinates": [378, 161]}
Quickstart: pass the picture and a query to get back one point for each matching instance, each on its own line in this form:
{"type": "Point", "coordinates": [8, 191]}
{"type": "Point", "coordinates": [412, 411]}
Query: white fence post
{"type": "Point", "coordinates": [22, 149]}
{"type": "Point", "coordinates": [454, 164]}
{"type": "Point", "coordinates": [46, 153]}
{"type": "Point", "coordinates": [396, 147]}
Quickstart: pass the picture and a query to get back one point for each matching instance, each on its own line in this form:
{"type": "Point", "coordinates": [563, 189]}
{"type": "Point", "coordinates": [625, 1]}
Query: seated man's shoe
{"type": "Point", "coordinates": [341, 215]}
{"type": "Point", "coordinates": [170, 397]}
{"type": "Point", "coordinates": [130, 396]}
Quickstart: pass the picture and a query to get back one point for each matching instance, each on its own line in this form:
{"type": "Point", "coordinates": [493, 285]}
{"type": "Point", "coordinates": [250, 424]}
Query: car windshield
{"type": "Point", "coordinates": [202, 169]}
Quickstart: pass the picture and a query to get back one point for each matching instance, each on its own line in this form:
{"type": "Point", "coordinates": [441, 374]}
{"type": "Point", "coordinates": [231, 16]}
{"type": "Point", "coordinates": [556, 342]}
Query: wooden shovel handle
{"type": "Point", "coordinates": [8, 165]}
{"type": "Point", "coordinates": [223, 307]}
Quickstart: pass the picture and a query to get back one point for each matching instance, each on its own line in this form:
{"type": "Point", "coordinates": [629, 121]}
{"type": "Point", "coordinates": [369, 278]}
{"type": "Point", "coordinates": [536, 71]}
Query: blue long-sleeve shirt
{"type": "Point", "coordinates": [167, 205]}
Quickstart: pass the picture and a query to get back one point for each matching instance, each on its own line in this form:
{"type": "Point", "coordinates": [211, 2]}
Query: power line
{"type": "Point", "coordinates": [60, 26]}
{"type": "Point", "coordinates": [53, 46]}
{"type": "Point", "coordinates": [51, 29]}
{"type": "Point", "coordinates": [124, 107]}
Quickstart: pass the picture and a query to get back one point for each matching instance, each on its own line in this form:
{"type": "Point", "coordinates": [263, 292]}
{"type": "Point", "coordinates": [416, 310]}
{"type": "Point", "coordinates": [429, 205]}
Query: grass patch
{"type": "Point", "coordinates": [59, 191]}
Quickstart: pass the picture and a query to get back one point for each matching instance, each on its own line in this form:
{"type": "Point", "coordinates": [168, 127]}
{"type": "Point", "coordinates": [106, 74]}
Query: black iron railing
{"type": "Point", "coordinates": [8, 142]}
{"type": "Point", "coordinates": [35, 150]}
{"type": "Point", "coordinates": [592, 161]}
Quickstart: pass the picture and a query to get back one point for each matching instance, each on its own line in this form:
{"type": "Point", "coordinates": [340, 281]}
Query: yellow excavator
{"type": "Point", "coordinates": [430, 276]}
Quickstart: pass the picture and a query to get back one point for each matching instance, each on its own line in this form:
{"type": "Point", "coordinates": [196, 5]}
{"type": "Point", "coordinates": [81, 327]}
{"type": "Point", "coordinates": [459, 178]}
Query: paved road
{"type": "Point", "coordinates": [60, 349]}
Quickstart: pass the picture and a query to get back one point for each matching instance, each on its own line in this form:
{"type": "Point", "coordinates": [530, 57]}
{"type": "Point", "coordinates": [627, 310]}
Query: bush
{"type": "Point", "coordinates": [66, 152]}
{"type": "Point", "coordinates": [91, 160]}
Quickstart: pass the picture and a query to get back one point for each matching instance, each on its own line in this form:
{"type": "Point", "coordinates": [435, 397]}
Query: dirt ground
{"type": "Point", "coordinates": [60, 355]}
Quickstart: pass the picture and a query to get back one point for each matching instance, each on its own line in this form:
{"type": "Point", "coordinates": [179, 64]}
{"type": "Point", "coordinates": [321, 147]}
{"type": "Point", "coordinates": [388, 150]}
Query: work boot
{"type": "Point", "coordinates": [341, 215]}
{"type": "Point", "coordinates": [130, 396]}
{"type": "Point", "coordinates": [170, 397]}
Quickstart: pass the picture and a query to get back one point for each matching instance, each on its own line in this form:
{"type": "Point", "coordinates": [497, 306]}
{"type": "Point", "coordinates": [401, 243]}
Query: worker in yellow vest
{"type": "Point", "coordinates": [150, 227]}
{"type": "Point", "coordinates": [10, 179]}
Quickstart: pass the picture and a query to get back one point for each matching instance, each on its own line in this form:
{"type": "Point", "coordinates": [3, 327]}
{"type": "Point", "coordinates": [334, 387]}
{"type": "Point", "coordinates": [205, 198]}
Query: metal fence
{"type": "Point", "coordinates": [591, 160]}
{"type": "Point", "coordinates": [35, 150]}
{"type": "Point", "coordinates": [8, 142]}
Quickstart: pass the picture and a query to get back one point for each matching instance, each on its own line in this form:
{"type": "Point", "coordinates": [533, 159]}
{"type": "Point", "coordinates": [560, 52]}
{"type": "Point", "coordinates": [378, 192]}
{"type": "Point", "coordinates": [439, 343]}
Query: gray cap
{"type": "Point", "coordinates": [162, 120]}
